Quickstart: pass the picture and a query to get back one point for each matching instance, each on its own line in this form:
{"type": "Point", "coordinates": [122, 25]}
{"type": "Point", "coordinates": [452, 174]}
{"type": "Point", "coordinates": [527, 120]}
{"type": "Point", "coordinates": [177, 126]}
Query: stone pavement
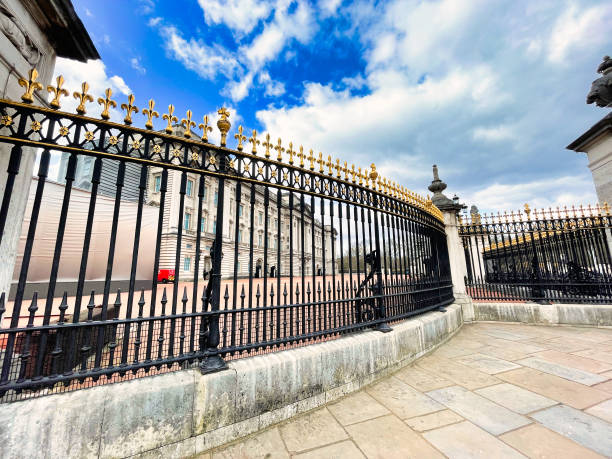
{"type": "Point", "coordinates": [493, 391]}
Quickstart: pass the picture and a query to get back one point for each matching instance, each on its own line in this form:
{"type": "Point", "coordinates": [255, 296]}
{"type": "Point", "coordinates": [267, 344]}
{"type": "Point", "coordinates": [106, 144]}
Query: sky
{"type": "Point", "coordinates": [491, 91]}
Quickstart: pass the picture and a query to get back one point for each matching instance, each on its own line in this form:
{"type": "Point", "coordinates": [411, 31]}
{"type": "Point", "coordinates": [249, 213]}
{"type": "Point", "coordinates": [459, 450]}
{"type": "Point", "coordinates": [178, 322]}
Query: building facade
{"type": "Point", "coordinates": [237, 214]}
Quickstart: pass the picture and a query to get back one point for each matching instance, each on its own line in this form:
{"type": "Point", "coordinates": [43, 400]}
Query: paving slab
{"type": "Point", "coordinates": [559, 389]}
{"type": "Point", "coordinates": [422, 380]}
{"type": "Point", "coordinates": [357, 407]}
{"type": "Point", "coordinates": [515, 398]}
{"type": "Point", "coordinates": [267, 444]}
{"type": "Point", "coordinates": [574, 361]}
{"type": "Point", "coordinates": [490, 416]}
{"type": "Point", "coordinates": [503, 353]}
{"type": "Point", "coordinates": [537, 441]}
{"type": "Point", "coordinates": [514, 345]}
{"type": "Point", "coordinates": [466, 441]}
{"type": "Point", "coordinates": [456, 372]}
{"type": "Point", "coordinates": [312, 430]}
{"type": "Point", "coordinates": [388, 437]}
{"type": "Point", "coordinates": [433, 420]}
{"type": "Point", "coordinates": [486, 363]}
{"type": "Point", "coordinates": [573, 374]}
{"type": "Point", "coordinates": [606, 386]}
{"type": "Point", "coordinates": [563, 344]}
{"type": "Point", "coordinates": [502, 334]}
{"type": "Point", "coordinates": [597, 354]}
{"type": "Point", "coordinates": [402, 399]}
{"type": "Point", "coordinates": [583, 428]}
{"type": "Point", "coordinates": [340, 450]}
{"type": "Point", "coordinates": [602, 410]}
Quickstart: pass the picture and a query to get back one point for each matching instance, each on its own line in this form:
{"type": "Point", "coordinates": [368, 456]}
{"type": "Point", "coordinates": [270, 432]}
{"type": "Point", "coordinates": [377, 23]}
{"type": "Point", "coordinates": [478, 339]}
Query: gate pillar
{"type": "Point", "coordinates": [450, 210]}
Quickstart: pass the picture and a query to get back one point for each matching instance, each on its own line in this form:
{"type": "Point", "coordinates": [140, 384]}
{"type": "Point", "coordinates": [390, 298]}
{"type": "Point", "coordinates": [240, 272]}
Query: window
{"type": "Point", "coordinates": [189, 187]}
{"type": "Point", "coordinates": [157, 185]}
{"type": "Point", "coordinates": [238, 267]}
{"type": "Point", "coordinates": [239, 235]}
{"type": "Point", "coordinates": [216, 198]}
{"type": "Point", "coordinates": [215, 225]}
{"type": "Point", "coordinates": [261, 218]}
{"type": "Point", "coordinates": [187, 221]}
{"type": "Point", "coordinates": [240, 209]}
{"type": "Point", "coordinates": [205, 191]}
{"type": "Point", "coordinates": [202, 224]}
{"type": "Point", "coordinates": [259, 240]}
{"type": "Point", "coordinates": [187, 264]}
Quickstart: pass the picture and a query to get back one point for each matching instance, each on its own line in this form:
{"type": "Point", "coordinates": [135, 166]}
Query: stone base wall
{"type": "Point", "coordinates": [183, 413]}
{"type": "Point", "coordinates": [591, 315]}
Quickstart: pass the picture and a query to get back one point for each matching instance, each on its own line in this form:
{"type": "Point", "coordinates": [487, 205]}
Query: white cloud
{"type": "Point", "coordinates": [560, 191]}
{"type": "Point", "coordinates": [494, 134]}
{"type": "Point", "coordinates": [575, 30]}
{"type": "Point", "coordinates": [136, 65]}
{"type": "Point", "coordinates": [88, 13]}
{"type": "Point", "coordinates": [239, 15]}
{"type": "Point", "coordinates": [272, 88]}
{"type": "Point", "coordinates": [272, 40]}
{"type": "Point", "coordinates": [94, 72]}
{"type": "Point", "coordinates": [146, 6]}
{"type": "Point", "coordinates": [206, 61]}
{"type": "Point", "coordinates": [241, 67]}
{"type": "Point", "coordinates": [329, 7]}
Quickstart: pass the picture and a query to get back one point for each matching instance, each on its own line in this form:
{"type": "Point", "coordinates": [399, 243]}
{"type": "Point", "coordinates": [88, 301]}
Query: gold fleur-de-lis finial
{"type": "Point", "coordinates": [321, 162]}
{"type": "Point", "coordinates": [606, 208]}
{"type": "Point", "coordinates": [338, 168]}
{"type": "Point", "coordinates": [353, 172]}
{"type": "Point", "coordinates": [170, 118]}
{"type": "Point", "coordinates": [188, 124]}
{"type": "Point", "coordinates": [205, 129]}
{"type": "Point", "coordinates": [329, 165]}
{"type": "Point", "coordinates": [345, 169]}
{"type": "Point", "coordinates": [360, 176]}
{"type": "Point", "coordinates": [290, 152]}
{"type": "Point", "coordinates": [301, 155]}
{"type": "Point", "coordinates": [311, 159]}
{"type": "Point", "coordinates": [150, 113]}
{"type": "Point", "coordinates": [279, 150]}
{"type": "Point", "coordinates": [83, 98]}
{"type": "Point", "coordinates": [106, 103]}
{"type": "Point", "coordinates": [384, 185]}
{"type": "Point", "coordinates": [527, 210]}
{"type": "Point", "coordinates": [30, 86]}
{"type": "Point", "coordinates": [240, 137]}
{"type": "Point", "coordinates": [366, 177]}
{"type": "Point", "coordinates": [223, 124]}
{"type": "Point", "coordinates": [129, 109]}
{"type": "Point", "coordinates": [268, 145]}
{"type": "Point", "coordinates": [57, 92]}
{"type": "Point", "coordinates": [254, 142]}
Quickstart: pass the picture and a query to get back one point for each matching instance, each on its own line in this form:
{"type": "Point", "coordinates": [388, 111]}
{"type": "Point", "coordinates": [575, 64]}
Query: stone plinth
{"type": "Point", "coordinates": [597, 144]}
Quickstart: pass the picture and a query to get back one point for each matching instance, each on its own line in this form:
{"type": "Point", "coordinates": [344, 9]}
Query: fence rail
{"type": "Point", "coordinates": [301, 249]}
{"type": "Point", "coordinates": [560, 255]}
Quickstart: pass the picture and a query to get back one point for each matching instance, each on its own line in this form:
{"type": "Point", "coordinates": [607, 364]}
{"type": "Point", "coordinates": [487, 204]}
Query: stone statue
{"type": "Point", "coordinates": [601, 89]}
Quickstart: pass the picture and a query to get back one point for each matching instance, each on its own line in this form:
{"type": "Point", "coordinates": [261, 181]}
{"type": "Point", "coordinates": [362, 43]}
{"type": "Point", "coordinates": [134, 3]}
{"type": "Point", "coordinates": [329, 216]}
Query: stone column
{"type": "Point", "coordinates": [456, 254]}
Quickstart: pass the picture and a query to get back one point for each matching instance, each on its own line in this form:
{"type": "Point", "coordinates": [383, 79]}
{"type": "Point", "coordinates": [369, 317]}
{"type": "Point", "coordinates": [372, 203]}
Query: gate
{"type": "Point", "coordinates": [292, 249]}
{"type": "Point", "coordinates": [560, 255]}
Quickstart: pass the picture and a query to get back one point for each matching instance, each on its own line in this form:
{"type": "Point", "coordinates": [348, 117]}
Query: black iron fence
{"type": "Point", "coordinates": [292, 249]}
{"type": "Point", "coordinates": [560, 255]}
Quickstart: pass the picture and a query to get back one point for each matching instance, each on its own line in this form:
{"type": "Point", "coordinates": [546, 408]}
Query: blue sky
{"type": "Point", "coordinates": [490, 90]}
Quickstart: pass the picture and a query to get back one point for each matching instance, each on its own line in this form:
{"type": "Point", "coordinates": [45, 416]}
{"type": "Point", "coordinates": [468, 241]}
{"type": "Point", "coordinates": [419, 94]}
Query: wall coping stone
{"type": "Point", "coordinates": [184, 413]}
{"type": "Point", "coordinates": [578, 315]}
